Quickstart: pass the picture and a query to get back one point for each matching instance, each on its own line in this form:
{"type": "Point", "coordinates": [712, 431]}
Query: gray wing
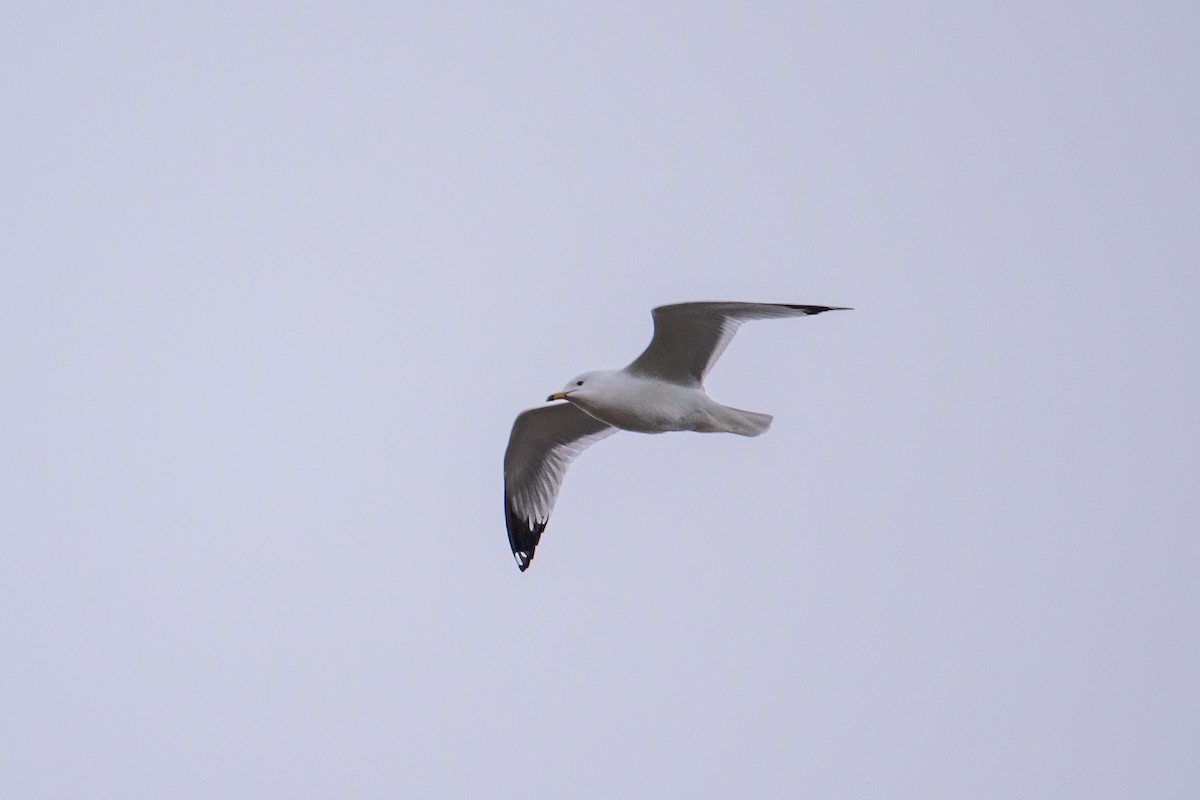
{"type": "Point", "coordinates": [543, 444]}
{"type": "Point", "coordinates": [690, 337]}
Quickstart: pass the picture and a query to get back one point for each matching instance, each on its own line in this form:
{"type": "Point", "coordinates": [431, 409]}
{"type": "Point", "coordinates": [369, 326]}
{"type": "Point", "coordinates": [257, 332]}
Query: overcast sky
{"type": "Point", "coordinates": [275, 279]}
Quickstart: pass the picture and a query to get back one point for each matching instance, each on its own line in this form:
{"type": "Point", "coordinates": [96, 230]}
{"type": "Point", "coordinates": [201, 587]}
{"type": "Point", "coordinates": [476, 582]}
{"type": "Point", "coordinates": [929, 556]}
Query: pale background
{"type": "Point", "coordinates": [276, 277]}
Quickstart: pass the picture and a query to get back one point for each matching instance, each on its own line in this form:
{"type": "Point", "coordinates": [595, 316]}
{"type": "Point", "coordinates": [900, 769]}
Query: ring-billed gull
{"type": "Point", "coordinates": [662, 390]}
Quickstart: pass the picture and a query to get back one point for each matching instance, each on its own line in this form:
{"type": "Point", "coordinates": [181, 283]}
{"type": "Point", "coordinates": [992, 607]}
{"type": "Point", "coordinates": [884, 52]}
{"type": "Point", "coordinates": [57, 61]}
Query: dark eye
{"type": "Point", "coordinates": [579, 383]}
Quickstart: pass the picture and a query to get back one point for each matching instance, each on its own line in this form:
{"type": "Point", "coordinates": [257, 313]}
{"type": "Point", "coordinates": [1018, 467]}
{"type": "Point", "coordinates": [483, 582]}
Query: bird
{"type": "Point", "coordinates": [661, 390]}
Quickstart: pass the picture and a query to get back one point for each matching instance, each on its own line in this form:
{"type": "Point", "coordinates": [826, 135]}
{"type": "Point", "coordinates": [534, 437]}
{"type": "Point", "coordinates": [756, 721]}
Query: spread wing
{"type": "Point", "coordinates": [690, 337]}
{"type": "Point", "coordinates": [543, 444]}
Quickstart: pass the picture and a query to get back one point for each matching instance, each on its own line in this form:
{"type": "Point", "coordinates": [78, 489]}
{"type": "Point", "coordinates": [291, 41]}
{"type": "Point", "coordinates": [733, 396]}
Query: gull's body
{"type": "Point", "coordinates": [662, 390]}
{"type": "Point", "coordinates": [633, 402]}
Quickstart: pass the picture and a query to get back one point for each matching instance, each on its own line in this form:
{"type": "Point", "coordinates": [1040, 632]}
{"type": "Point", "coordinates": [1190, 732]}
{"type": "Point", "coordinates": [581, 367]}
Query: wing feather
{"type": "Point", "coordinates": [543, 443]}
{"type": "Point", "coordinates": [690, 337]}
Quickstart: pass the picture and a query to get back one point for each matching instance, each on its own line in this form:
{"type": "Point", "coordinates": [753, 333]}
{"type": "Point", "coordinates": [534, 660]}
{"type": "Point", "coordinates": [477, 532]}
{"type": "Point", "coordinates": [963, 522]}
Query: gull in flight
{"type": "Point", "coordinates": [662, 390]}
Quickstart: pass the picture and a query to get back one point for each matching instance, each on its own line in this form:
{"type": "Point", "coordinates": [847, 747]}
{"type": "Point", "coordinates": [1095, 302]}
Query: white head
{"type": "Point", "coordinates": [581, 384]}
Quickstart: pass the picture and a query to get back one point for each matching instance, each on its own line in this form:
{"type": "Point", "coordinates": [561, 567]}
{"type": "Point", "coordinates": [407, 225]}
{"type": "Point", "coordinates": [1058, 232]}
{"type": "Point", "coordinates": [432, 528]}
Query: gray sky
{"type": "Point", "coordinates": [276, 278]}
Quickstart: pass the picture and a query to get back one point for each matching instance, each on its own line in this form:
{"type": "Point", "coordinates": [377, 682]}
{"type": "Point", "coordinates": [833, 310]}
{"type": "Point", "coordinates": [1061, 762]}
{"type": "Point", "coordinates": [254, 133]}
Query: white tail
{"type": "Point", "coordinates": [747, 423]}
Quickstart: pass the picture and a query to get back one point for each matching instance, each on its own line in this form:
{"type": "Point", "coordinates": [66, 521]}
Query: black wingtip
{"type": "Point", "coordinates": [523, 536]}
{"type": "Point", "coordinates": [810, 310]}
